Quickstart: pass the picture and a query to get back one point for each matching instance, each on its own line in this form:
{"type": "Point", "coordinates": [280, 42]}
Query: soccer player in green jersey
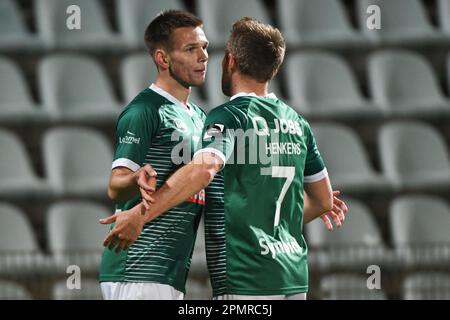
{"type": "Point", "coordinates": [155, 266]}
{"type": "Point", "coordinates": [265, 174]}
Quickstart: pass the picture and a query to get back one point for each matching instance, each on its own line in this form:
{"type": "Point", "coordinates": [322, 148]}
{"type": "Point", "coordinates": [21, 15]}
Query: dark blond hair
{"type": "Point", "coordinates": [257, 48]}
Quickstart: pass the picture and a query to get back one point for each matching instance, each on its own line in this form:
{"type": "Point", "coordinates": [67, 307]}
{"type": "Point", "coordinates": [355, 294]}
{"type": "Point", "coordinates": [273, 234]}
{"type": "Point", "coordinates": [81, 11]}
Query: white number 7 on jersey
{"type": "Point", "coordinates": [282, 172]}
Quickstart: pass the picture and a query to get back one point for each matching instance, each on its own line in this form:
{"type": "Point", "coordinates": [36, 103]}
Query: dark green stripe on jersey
{"type": "Point", "coordinates": [254, 245]}
{"type": "Point", "coordinates": [145, 132]}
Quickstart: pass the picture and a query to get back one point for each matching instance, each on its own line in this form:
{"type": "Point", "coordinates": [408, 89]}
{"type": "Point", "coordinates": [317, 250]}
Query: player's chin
{"type": "Point", "coordinates": [198, 81]}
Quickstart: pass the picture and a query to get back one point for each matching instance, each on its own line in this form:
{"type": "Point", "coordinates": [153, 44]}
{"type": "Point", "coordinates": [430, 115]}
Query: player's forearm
{"type": "Point", "coordinates": [183, 184]}
{"type": "Point", "coordinates": [122, 187]}
{"type": "Point", "coordinates": [311, 209]}
{"type": "Point", "coordinates": [318, 199]}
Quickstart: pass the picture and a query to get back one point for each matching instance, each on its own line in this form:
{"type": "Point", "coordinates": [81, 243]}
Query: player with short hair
{"type": "Point", "coordinates": [265, 174]}
{"type": "Point", "coordinates": [157, 264]}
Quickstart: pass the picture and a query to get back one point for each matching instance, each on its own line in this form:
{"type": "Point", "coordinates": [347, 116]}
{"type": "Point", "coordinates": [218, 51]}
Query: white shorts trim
{"type": "Point", "coordinates": [298, 296]}
{"type": "Point", "coordinates": [139, 291]}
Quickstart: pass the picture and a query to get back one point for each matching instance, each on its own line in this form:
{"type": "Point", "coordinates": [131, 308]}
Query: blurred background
{"type": "Point", "coordinates": [378, 102]}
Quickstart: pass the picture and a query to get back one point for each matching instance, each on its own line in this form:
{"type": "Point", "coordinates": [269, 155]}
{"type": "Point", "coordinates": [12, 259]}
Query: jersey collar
{"type": "Point", "coordinates": [252, 94]}
{"type": "Point", "coordinates": [171, 98]}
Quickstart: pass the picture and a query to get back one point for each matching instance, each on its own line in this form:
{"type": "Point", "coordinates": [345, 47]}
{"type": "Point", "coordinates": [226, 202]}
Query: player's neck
{"type": "Point", "coordinates": [174, 88]}
{"type": "Point", "coordinates": [241, 83]}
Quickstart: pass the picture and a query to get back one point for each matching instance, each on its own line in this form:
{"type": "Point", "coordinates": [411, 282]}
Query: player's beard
{"type": "Point", "coordinates": [226, 77]}
{"type": "Point", "coordinates": [178, 79]}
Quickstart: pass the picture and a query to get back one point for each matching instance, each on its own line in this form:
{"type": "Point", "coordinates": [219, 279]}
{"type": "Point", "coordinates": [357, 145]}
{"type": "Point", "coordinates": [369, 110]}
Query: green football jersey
{"type": "Point", "coordinates": [254, 206]}
{"type": "Point", "coordinates": [156, 129]}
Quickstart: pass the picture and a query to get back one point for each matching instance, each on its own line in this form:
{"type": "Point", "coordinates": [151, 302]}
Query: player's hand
{"type": "Point", "coordinates": [146, 181]}
{"type": "Point", "coordinates": [337, 214]}
{"type": "Point", "coordinates": [127, 229]}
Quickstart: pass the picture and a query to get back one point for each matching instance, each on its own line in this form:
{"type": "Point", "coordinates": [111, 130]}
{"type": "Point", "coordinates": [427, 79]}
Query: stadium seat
{"type": "Point", "coordinates": [19, 251]}
{"type": "Point", "coordinates": [322, 85]}
{"type": "Point", "coordinates": [13, 291]}
{"type": "Point", "coordinates": [218, 17]}
{"type": "Point", "coordinates": [349, 287]}
{"type": "Point", "coordinates": [134, 16]}
{"type": "Point", "coordinates": [414, 156]}
{"type": "Point", "coordinates": [198, 288]}
{"type": "Point", "coordinates": [76, 88]}
{"type": "Point", "coordinates": [403, 83]}
{"type": "Point", "coordinates": [419, 226]}
{"type": "Point", "coordinates": [443, 11]}
{"type": "Point", "coordinates": [137, 73]}
{"type": "Point", "coordinates": [74, 234]}
{"type": "Point", "coordinates": [89, 290]}
{"type": "Point", "coordinates": [347, 161]}
{"type": "Point", "coordinates": [77, 161]}
{"type": "Point", "coordinates": [13, 31]}
{"type": "Point", "coordinates": [198, 266]}
{"type": "Point", "coordinates": [17, 176]}
{"type": "Point", "coordinates": [403, 22]}
{"type": "Point", "coordinates": [94, 33]}
{"type": "Point", "coordinates": [426, 286]}
{"type": "Point", "coordinates": [357, 244]}
{"type": "Point", "coordinates": [16, 104]}
{"type": "Point", "coordinates": [213, 86]}
{"type": "Point", "coordinates": [319, 23]}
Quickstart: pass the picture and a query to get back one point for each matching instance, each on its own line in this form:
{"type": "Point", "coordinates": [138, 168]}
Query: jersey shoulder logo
{"type": "Point", "coordinates": [213, 130]}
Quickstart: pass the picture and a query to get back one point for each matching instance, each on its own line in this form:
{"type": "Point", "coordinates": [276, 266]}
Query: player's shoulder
{"type": "Point", "coordinates": [145, 103]}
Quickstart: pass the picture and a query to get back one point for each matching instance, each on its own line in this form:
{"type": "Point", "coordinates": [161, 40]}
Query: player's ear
{"type": "Point", "coordinates": [231, 62]}
{"type": "Point", "coordinates": [162, 59]}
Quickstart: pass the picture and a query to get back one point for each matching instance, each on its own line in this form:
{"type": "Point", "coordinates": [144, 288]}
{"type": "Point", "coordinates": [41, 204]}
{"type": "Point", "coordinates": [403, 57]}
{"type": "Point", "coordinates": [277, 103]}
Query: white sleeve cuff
{"type": "Point", "coordinates": [127, 163]}
{"type": "Point", "coordinates": [316, 177]}
{"type": "Point", "coordinates": [215, 151]}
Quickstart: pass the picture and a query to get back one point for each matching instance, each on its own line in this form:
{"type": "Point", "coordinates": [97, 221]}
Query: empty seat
{"type": "Point", "coordinates": [89, 290]}
{"type": "Point", "coordinates": [198, 289]}
{"type": "Point", "coordinates": [213, 87]}
{"type": "Point", "coordinates": [419, 226]}
{"type": "Point", "coordinates": [135, 15]}
{"type": "Point", "coordinates": [403, 83]}
{"type": "Point", "coordinates": [349, 287]}
{"type": "Point", "coordinates": [198, 266]}
{"type": "Point", "coordinates": [414, 156]}
{"type": "Point", "coordinates": [357, 244]}
{"type": "Point", "coordinates": [74, 234]}
{"type": "Point", "coordinates": [19, 250]}
{"type": "Point", "coordinates": [77, 161]}
{"type": "Point", "coordinates": [218, 17]}
{"type": "Point", "coordinates": [17, 176]}
{"type": "Point", "coordinates": [316, 23]}
{"type": "Point", "coordinates": [52, 18]}
{"type": "Point", "coordinates": [347, 161]}
{"type": "Point", "coordinates": [13, 291]}
{"type": "Point", "coordinates": [16, 104]}
{"type": "Point", "coordinates": [444, 15]}
{"type": "Point", "coordinates": [426, 286]}
{"type": "Point", "coordinates": [85, 96]}
{"type": "Point", "coordinates": [13, 31]}
{"type": "Point", "coordinates": [322, 84]}
{"type": "Point", "coordinates": [138, 71]}
{"type": "Point", "coordinates": [402, 22]}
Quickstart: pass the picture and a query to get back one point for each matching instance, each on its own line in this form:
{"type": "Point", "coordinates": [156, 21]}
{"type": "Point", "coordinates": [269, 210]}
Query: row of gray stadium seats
{"type": "Point", "coordinates": [418, 226]}
{"type": "Point", "coordinates": [77, 160]}
{"type": "Point", "coordinates": [304, 23]}
{"type": "Point", "coordinates": [319, 84]}
{"type": "Point", "coordinates": [416, 286]}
